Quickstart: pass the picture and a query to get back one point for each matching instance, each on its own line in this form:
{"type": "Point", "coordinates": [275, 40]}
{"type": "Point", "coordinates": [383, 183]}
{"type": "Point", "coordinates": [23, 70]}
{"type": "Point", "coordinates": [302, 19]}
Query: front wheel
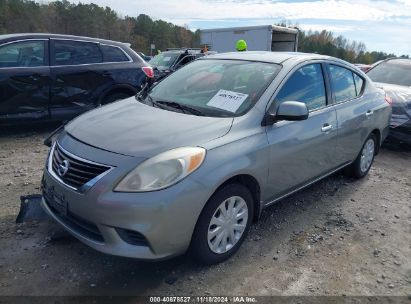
{"type": "Point", "coordinates": [364, 160]}
{"type": "Point", "coordinates": [223, 224]}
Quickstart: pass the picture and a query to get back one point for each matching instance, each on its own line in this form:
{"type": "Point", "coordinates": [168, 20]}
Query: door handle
{"type": "Point", "coordinates": [107, 74]}
{"type": "Point", "coordinates": [326, 128]}
{"type": "Point", "coordinates": [369, 113]}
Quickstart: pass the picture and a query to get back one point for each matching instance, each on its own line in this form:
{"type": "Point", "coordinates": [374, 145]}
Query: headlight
{"type": "Point", "coordinates": [162, 170]}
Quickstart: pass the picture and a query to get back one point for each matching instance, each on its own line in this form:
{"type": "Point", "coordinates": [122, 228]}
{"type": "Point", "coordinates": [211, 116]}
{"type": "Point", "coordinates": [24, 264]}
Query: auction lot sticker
{"type": "Point", "coordinates": [227, 100]}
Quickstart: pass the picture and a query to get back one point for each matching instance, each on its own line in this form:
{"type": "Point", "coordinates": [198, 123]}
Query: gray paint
{"type": "Point", "coordinates": [282, 157]}
{"type": "Point", "coordinates": [141, 130]}
{"type": "Point", "coordinates": [291, 110]}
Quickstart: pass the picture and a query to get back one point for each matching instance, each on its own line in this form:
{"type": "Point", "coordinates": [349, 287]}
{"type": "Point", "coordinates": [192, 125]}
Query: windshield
{"type": "Point", "coordinates": [164, 60]}
{"type": "Point", "coordinates": [223, 88]}
{"type": "Point", "coordinates": [393, 71]}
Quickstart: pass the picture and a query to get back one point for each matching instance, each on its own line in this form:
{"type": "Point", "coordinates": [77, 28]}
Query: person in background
{"type": "Point", "coordinates": [241, 45]}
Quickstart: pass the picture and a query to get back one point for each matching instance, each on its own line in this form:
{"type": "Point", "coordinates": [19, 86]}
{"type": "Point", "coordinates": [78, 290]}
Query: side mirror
{"type": "Point", "coordinates": [287, 110]}
{"type": "Point", "coordinates": [292, 110]}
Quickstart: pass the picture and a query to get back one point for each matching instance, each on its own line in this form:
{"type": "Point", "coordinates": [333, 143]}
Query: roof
{"type": "Point", "coordinates": [400, 61]}
{"type": "Point", "coordinates": [271, 57]}
{"type": "Point", "coordinates": [9, 37]}
{"type": "Point", "coordinates": [256, 27]}
{"type": "Point", "coordinates": [189, 51]}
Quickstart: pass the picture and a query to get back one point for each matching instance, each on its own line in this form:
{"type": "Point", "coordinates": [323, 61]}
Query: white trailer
{"type": "Point", "coordinates": [259, 38]}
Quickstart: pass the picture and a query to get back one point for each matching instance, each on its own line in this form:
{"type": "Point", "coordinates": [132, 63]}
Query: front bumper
{"type": "Point", "coordinates": [151, 226]}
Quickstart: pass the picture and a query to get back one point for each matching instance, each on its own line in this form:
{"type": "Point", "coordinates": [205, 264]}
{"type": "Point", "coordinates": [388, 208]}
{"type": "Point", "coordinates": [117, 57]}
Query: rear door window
{"type": "Point", "coordinates": [113, 54]}
{"type": "Point", "coordinates": [342, 80]}
{"type": "Point", "coordinates": [305, 85]}
{"type": "Point", "coordinates": [28, 53]}
{"type": "Point", "coordinates": [69, 52]}
{"type": "Point", "coordinates": [358, 83]}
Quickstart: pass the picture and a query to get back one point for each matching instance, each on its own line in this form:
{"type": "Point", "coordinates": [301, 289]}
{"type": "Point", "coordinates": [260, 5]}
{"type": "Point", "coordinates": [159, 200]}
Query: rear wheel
{"type": "Point", "coordinates": [223, 224]}
{"type": "Point", "coordinates": [364, 160]}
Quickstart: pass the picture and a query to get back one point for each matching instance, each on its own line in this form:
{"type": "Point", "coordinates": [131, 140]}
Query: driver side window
{"type": "Point", "coordinates": [305, 85]}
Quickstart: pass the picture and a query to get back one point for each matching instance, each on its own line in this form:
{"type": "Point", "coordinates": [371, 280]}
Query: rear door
{"type": "Point", "coordinates": [301, 151]}
{"type": "Point", "coordinates": [78, 75]}
{"type": "Point", "coordinates": [24, 79]}
{"type": "Point", "coordinates": [354, 114]}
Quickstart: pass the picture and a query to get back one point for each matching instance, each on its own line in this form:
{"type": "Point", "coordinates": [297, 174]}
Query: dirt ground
{"type": "Point", "coordinates": [338, 237]}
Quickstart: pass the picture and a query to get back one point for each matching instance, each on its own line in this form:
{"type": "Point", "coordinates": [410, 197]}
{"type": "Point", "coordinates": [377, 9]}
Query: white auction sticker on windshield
{"type": "Point", "coordinates": [227, 100]}
{"type": "Point", "coordinates": [166, 58]}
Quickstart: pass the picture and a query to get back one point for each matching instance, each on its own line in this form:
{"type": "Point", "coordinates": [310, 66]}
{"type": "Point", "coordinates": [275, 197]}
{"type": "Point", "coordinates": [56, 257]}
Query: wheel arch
{"type": "Point", "coordinates": [378, 135]}
{"type": "Point", "coordinates": [251, 183]}
{"type": "Point", "coordinates": [116, 89]}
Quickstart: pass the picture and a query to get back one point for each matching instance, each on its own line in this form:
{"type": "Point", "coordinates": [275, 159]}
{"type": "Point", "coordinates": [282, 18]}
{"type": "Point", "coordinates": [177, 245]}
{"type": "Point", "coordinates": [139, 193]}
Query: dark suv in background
{"type": "Point", "coordinates": [49, 76]}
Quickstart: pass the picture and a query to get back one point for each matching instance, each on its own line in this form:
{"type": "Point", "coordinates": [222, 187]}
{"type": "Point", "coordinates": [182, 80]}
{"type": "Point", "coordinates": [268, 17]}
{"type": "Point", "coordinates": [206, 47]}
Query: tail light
{"type": "Point", "coordinates": [388, 99]}
{"type": "Point", "coordinates": [148, 71]}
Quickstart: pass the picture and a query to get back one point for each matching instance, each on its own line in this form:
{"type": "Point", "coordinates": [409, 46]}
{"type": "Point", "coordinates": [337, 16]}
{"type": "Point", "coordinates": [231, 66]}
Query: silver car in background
{"type": "Point", "coordinates": [191, 162]}
{"type": "Point", "coordinates": [393, 75]}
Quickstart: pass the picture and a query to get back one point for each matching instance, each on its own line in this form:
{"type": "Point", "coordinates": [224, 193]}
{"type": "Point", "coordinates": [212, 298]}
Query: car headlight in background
{"type": "Point", "coordinates": [163, 170]}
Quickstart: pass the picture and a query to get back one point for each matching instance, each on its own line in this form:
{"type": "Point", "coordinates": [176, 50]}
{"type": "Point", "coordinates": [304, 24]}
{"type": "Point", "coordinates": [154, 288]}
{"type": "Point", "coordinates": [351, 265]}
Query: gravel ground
{"type": "Point", "coordinates": [338, 237]}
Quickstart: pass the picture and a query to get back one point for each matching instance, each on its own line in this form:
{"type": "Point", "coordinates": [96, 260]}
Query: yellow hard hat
{"type": "Point", "coordinates": [241, 45]}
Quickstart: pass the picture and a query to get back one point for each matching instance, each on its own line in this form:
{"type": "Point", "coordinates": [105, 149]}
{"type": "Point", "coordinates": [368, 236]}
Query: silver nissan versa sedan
{"type": "Point", "coordinates": [192, 161]}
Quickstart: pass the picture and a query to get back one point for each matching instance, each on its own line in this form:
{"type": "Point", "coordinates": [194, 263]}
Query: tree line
{"type": "Point", "coordinates": [92, 20]}
{"type": "Point", "coordinates": [64, 17]}
{"type": "Point", "coordinates": [326, 43]}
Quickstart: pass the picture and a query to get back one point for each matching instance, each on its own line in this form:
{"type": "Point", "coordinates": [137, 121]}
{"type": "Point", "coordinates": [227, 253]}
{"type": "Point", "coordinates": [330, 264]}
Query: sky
{"type": "Point", "coordinates": [381, 24]}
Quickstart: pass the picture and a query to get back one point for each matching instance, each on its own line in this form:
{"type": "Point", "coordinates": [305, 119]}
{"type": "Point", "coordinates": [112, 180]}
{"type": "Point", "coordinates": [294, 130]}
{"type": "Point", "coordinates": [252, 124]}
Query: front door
{"type": "Point", "coordinates": [301, 151]}
{"type": "Point", "coordinates": [24, 80]}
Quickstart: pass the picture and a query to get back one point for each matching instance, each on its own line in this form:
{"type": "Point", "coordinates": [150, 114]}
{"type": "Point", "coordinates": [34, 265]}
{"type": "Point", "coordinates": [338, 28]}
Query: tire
{"type": "Point", "coordinates": [113, 97]}
{"type": "Point", "coordinates": [362, 164]}
{"type": "Point", "coordinates": [211, 251]}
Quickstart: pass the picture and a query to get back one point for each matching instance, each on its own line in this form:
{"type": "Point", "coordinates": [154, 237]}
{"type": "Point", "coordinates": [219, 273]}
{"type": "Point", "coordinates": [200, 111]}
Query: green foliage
{"type": "Point", "coordinates": [327, 43]}
{"type": "Point", "coordinates": [64, 17]}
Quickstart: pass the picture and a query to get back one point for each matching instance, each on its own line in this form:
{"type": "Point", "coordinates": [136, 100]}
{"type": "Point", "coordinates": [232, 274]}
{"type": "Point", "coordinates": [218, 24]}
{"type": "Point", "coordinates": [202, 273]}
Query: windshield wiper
{"type": "Point", "coordinates": [160, 104]}
{"type": "Point", "coordinates": [143, 90]}
{"type": "Point", "coordinates": [140, 97]}
{"type": "Point", "coordinates": [182, 107]}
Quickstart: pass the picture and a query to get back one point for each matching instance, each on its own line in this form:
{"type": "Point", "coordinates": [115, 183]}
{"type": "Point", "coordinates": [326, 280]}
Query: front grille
{"type": "Point", "coordinates": [79, 171]}
{"type": "Point", "coordinates": [76, 223]}
{"type": "Point", "coordinates": [132, 237]}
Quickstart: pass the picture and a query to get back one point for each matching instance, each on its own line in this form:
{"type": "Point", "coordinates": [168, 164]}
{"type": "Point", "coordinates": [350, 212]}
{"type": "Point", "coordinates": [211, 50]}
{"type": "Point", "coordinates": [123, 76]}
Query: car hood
{"type": "Point", "coordinates": [401, 103]}
{"type": "Point", "coordinates": [131, 128]}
